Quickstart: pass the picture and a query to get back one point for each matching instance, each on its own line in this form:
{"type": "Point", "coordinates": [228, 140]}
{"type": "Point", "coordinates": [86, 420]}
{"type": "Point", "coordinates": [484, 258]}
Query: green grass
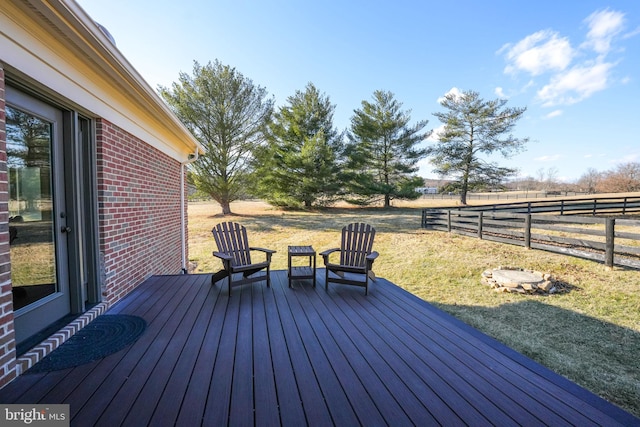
{"type": "Point", "coordinates": [590, 334]}
{"type": "Point", "coordinates": [32, 264]}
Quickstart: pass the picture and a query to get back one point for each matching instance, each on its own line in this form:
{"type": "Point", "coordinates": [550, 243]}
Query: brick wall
{"type": "Point", "coordinates": [139, 221]}
{"type": "Point", "coordinates": [139, 211]}
{"type": "Point", "coordinates": [7, 336]}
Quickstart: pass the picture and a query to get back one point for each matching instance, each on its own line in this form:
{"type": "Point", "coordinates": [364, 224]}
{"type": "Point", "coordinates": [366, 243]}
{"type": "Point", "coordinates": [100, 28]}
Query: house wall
{"type": "Point", "coordinates": [139, 208]}
{"type": "Point", "coordinates": [55, 49]}
{"type": "Point", "coordinates": [139, 211]}
{"type": "Point", "coordinates": [7, 336]}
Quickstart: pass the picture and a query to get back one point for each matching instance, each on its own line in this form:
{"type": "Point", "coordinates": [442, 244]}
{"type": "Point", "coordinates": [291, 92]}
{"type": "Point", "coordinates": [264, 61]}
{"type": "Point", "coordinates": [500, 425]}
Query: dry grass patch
{"type": "Point", "coordinates": [590, 334]}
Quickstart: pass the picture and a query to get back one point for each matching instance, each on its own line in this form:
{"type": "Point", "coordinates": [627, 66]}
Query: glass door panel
{"type": "Point", "coordinates": [31, 225]}
{"type": "Point", "coordinates": [38, 232]}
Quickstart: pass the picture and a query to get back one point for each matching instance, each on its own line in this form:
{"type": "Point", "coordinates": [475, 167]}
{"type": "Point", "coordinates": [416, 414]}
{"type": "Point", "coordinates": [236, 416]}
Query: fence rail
{"type": "Point", "coordinates": [583, 206]}
{"type": "Point", "coordinates": [506, 195]}
{"type": "Point", "coordinates": [612, 241]}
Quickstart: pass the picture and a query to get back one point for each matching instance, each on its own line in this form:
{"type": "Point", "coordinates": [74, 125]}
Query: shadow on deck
{"type": "Point", "coordinates": [304, 356]}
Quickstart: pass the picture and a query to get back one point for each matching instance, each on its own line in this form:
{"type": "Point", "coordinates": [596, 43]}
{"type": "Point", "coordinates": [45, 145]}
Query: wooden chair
{"type": "Point", "coordinates": [235, 253]}
{"type": "Point", "coordinates": [356, 257]}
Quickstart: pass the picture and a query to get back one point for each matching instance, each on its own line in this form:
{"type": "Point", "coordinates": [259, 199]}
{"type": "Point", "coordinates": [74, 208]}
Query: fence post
{"type": "Point", "coordinates": [449, 220]}
{"type": "Point", "coordinates": [595, 206]}
{"type": "Point", "coordinates": [609, 230]}
{"type": "Point", "coordinates": [562, 207]}
{"type": "Point", "coordinates": [527, 231]}
{"type": "Point", "coordinates": [480, 216]}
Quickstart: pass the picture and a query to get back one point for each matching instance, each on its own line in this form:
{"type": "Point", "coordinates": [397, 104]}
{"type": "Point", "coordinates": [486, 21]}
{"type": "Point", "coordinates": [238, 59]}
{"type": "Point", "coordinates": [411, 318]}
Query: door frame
{"type": "Point", "coordinates": [77, 177]}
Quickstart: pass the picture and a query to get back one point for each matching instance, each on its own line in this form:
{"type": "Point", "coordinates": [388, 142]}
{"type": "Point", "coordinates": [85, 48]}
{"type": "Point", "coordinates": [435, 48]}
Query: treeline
{"type": "Point", "coordinates": [293, 156]}
{"type": "Point", "coordinates": [623, 178]}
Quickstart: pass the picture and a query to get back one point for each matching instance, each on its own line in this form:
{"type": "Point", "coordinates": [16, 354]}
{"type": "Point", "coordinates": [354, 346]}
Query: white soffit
{"type": "Point", "coordinates": [68, 53]}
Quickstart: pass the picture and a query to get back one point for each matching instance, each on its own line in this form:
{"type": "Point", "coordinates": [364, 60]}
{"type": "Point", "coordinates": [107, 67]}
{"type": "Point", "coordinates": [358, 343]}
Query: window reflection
{"type": "Point", "coordinates": [33, 271]}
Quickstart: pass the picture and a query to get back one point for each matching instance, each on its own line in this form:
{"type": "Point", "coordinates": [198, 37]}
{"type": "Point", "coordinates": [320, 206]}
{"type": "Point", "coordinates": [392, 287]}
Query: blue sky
{"type": "Point", "coordinates": [575, 65]}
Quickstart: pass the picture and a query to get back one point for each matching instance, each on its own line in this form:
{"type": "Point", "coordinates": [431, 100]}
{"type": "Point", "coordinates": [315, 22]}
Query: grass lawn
{"type": "Point", "coordinates": [590, 334]}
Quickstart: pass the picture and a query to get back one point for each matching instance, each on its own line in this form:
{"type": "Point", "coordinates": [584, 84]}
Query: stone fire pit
{"type": "Point", "coordinates": [518, 280]}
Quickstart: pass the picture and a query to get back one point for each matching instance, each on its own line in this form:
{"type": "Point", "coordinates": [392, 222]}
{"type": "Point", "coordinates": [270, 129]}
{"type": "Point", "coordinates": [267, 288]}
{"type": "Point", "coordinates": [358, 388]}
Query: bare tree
{"type": "Point", "coordinates": [541, 177]}
{"type": "Point", "coordinates": [552, 178]}
{"type": "Point", "coordinates": [590, 180]}
{"type": "Point", "coordinates": [624, 178]}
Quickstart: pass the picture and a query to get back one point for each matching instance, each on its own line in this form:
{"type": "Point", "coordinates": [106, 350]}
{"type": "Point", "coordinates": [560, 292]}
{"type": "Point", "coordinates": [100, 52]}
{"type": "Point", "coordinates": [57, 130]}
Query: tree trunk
{"type": "Point", "coordinates": [387, 201]}
{"type": "Point", "coordinates": [226, 208]}
{"type": "Point", "coordinates": [465, 185]}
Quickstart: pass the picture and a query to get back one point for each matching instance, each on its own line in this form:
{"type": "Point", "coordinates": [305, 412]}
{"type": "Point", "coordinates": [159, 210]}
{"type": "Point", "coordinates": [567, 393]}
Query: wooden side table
{"type": "Point", "coordinates": [302, 272]}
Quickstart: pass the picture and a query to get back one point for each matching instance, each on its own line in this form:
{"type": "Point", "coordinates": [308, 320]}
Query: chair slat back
{"type": "Point", "coordinates": [231, 238]}
{"type": "Point", "coordinates": [357, 242]}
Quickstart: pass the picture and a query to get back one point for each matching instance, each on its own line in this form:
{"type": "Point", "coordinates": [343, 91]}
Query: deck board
{"type": "Point", "coordinates": [340, 364]}
{"type": "Point", "coordinates": [306, 356]}
{"type": "Point", "coordinates": [358, 371]}
{"type": "Point", "coordinates": [157, 381]}
{"type": "Point", "coordinates": [194, 400]}
{"type": "Point", "coordinates": [308, 351]}
{"type": "Point", "coordinates": [290, 397]}
{"type": "Point", "coordinates": [170, 401]}
{"type": "Point", "coordinates": [375, 351]}
{"type": "Point", "coordinates": [526, 384]}
{"type": "Point", "coordinates": [401, 368]}
{"type": "Point", "coordinates": [457, 369]}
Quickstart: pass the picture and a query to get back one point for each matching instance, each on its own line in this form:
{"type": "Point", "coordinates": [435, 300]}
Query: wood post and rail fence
{"type": "Point", "coordinates": [596, 228]}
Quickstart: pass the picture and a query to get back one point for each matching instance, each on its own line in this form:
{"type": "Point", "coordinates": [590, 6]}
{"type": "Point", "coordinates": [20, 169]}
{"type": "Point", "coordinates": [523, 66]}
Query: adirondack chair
{"type": "Point", "coordinates": [235, 253]}
{"type": "Point", "coordinates": [356, 257]}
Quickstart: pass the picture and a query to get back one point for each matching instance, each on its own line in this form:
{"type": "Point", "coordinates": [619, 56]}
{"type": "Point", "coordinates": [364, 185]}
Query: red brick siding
{"type": "Point", "coordinates": [139, 221]}
{"type": "Point", "coordinates": [7, 336]}
{"type": "Point", "coordinates": [139, 211]}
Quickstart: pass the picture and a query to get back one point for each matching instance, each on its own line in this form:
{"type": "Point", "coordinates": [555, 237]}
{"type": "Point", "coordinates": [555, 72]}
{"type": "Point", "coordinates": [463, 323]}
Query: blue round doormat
{"type": "Point", "coordinates": [105, 335]}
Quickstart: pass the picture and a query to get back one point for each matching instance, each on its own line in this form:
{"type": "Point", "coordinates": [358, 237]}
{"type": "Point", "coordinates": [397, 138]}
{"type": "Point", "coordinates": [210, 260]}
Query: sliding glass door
{"type": "Point", "coordinates": [37, 225]}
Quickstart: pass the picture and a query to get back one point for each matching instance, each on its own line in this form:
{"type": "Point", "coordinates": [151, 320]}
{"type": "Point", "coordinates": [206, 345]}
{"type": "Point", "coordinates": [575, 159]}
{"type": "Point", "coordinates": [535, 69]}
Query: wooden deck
{"type": "Point", "coordinates": [304, 356]}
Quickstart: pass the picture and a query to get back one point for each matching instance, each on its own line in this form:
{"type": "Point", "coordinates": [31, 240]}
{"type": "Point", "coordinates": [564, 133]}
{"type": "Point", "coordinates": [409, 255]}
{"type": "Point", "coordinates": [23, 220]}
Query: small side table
{"type": "Point", "coordinates": [302, 272]}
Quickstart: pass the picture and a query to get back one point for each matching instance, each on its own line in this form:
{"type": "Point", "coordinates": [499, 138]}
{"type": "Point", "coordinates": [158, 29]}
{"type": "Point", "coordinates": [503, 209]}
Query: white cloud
{"type": "Point", "coordinates": [549, 158]}
{"type": "Point", "coordinates": [631, 33]}
{"type": "Point", "coordinates": [576, 84]}
{"type": "Point", "coordinates": [425, 169]}
{"type": "Point", "coordinates": [573, 74]}
{"type": "Point", "coordinates": [604, 25]}
{"type": "Point", "coordinates": [538, 53]}
{"type": "Point", "coordinates": [628, 158]}
{"type": "Point", "coordinates": [554, 113]}
{"type": "Point", "coordinates": [453, 91]}
{"type": "Point", "coordinates": [500, 92]}
{"type": "Point", "coordinates": [435, 135]}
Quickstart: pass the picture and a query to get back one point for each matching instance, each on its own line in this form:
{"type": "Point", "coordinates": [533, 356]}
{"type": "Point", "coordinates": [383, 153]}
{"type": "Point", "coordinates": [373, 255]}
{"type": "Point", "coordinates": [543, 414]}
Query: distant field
{"type": "Point", "coordinates": [431, 200]}
{"type": "Point", "coordinates": [590, 334]}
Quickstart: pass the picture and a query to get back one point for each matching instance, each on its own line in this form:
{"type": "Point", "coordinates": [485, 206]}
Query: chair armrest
{"type": "Point", "coordinates": [328, 251]}
{"type": "Point", "coordinates": [325, 255]}
{"type": "Point", "coordinates": [268, 251]}
{"type": "Point", "coordinates": [223, 256]}
{"type": "Point", "coordinates": [370, 258]}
